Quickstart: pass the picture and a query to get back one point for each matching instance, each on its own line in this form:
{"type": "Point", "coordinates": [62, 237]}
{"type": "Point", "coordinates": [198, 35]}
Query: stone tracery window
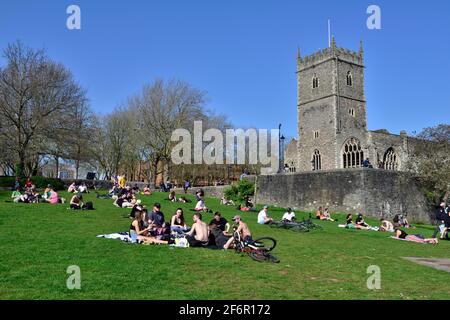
{"type": "Point", "coordinates": [316, 161]}
{"type": "Point", "coordinates": [352, 154]}
{"type": "Point", "coordinates": [390, 160]}
{"type": "Point", "coordinates": [349, 79]}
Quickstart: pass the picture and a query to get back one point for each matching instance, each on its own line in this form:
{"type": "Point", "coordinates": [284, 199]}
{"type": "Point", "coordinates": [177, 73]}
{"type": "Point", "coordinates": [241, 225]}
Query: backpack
{"type": "Point", "coordinates": [88, 206]}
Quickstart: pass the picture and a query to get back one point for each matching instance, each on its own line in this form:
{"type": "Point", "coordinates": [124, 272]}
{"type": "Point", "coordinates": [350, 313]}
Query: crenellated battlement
{"type": "Point", "coordinates": [330, 53]}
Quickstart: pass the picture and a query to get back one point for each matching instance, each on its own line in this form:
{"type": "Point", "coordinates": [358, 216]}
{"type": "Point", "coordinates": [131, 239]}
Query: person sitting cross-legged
{"type": "Point", "coordinates": [16, 195]}
{"type": "Point", "coordinates": [198, 236]}
{"type": "Point", "coordinates": [72, 188]}
{"type": "Point", "coordinates": [177, 223]}
{"type": "Point", "coordinates": [360, 221]}
{"type": "Point", "coordinates": [76, 203]}
{"type": "Point", "coordinates": [350, 225]}
{"type": "Point", "coordinates": [172, 196]}
{"type": "Point", "coordinates": [220, 222]}
{"type": "Point", "coordinates": [201, 206]}
{"type": "Point", "coordinates": [147, 190]}
{"type": "Point", "coordinates": [139, 232]}
{"type": "Point", "coordinates": [386, 226]}
{"type": "Point", "coordinates": [326, 215]}
{"type": "Point", "coordinates": [288, 216]}
{"type": "Point", "coordinates": [263, 218]}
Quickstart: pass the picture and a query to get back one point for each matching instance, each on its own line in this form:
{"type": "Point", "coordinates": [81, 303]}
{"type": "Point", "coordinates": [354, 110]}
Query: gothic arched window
{"type": "Point", "coordinates": [316, 161]}
{"type": "Point", "coordinates": [315, 82]}
{"type": "Point", "coordinates": [349, 79]}
{"type": "Point", "coordinates": [390, 160]}
{"type": "Point", "coordinates": [352, 154]}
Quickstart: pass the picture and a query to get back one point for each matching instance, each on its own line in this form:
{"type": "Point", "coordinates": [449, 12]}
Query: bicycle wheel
{"type": "Point", "coordinates": [271, 258]}
{"type": "Point", "coordinates": [265, 243]}
{"type": "Point", "coordinates": [257, 256]}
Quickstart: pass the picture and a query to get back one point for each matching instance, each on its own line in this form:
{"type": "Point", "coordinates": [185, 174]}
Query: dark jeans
{"type": "Point", "coordinates": [196, 243]}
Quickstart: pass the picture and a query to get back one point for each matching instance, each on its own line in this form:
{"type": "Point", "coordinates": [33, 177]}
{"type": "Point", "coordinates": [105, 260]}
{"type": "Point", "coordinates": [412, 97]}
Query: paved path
{"type": "Point", "coordinates": [440, 264]}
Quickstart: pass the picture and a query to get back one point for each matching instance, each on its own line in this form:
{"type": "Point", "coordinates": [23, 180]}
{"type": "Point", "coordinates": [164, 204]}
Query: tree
{"type": "Point", "coordinates": [112, 138]}
{"type": "Point", "coordinates": [163, 107]}
{"type": "Point", "coordinates": [430, 160]}
{"type": "Point", "coordinates": [33, 91]}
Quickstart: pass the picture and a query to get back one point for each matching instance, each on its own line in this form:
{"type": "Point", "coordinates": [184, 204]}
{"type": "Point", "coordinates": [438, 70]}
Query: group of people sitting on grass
{"type": "Point", "coordinates": [124, 197]}
{"type": "Point", "coordinates": [78, 188]}
{"type": "Point", "coordinates": [152, 228]}
{"type": "Point", "coordinates": [386, 226]}
{"type": "Point", "coordinates": [324, 214]}
{"type": "Point", "coordinates": [31, 195]}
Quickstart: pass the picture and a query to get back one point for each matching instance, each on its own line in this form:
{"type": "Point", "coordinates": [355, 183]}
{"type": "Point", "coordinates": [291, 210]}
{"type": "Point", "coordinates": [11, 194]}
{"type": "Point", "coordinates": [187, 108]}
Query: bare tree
{"type": "Point", "coordinates": [162, 108]}
{"type": "Point", "coordinates": [33, 89]}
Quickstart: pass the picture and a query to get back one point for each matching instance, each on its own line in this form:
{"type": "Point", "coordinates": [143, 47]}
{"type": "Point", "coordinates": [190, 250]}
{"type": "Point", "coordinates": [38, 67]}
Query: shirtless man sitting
{"type": "Point", "coordinates": [201, 231]}
{"type": "Point", "coordinates": [243, 230]}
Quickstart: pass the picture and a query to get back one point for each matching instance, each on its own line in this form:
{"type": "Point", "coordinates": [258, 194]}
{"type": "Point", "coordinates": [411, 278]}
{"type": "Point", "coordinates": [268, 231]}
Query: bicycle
{"type": "Point", "coordinates": [302, 226]}
{"type": "Point", "coordinates": [259, 249]}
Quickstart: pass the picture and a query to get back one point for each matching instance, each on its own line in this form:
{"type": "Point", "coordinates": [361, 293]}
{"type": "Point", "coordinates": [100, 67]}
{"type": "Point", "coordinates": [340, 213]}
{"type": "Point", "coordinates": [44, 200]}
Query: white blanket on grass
{"type": "Point", "coordinates": [123, 236]}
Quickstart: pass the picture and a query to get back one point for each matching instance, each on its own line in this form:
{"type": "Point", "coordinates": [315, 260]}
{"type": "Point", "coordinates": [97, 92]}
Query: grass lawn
{"type": "Point", "coordinates": [39, 241]}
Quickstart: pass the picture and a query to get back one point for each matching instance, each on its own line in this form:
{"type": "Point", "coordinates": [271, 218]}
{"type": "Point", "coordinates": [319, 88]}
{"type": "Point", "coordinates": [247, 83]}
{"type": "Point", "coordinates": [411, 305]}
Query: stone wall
{"type": "Point", "coordinates": [374, 193]}
{"type": "Point", "coordinates": [211, 191]}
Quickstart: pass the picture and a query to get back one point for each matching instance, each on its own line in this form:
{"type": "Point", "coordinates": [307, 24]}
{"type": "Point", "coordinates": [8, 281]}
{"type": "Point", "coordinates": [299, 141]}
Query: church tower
{"type": "Point", "coordinates": [332, 124]}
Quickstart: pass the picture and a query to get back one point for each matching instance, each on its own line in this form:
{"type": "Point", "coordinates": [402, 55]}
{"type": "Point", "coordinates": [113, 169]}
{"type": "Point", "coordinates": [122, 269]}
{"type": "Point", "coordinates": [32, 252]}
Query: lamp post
{"type": "Point", "coordinates": [282, 153]}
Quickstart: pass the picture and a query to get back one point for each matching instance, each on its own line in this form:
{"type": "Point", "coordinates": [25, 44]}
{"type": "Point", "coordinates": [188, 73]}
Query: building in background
{"type": "Point", "coordinates": [332, 120]}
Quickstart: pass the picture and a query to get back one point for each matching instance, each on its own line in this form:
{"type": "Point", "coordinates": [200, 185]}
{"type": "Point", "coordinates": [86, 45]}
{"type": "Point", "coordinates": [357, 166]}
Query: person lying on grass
{"type": "Point", "coordinates": [224, 201]}
{"type": "Point", "coordinates": [184, 200]}
{"type": "Point", "coordinates": [76, 203]}
{"type": "Point", "coordinates": [400, 234]}
{"type": "Point", "coordinates": [243, 208]}
{"type": "Point", "coordinates": [243, 230]}
{"type": "Point", "coordinates": [177, 223]}
{"type": "Point", "coordinates": [198, 236]}
{"type": "Point", "coordinates": [138, 230]}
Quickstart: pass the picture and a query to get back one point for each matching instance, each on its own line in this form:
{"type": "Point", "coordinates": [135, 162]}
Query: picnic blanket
{"type": "Point", "coordinates": [122, 236]}
{"type": "Point", "coordinates": [407, 240]}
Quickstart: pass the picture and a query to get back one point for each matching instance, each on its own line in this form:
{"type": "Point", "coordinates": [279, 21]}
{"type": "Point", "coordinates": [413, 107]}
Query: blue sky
{"type": "Point", "coordinates": [242, 52]}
